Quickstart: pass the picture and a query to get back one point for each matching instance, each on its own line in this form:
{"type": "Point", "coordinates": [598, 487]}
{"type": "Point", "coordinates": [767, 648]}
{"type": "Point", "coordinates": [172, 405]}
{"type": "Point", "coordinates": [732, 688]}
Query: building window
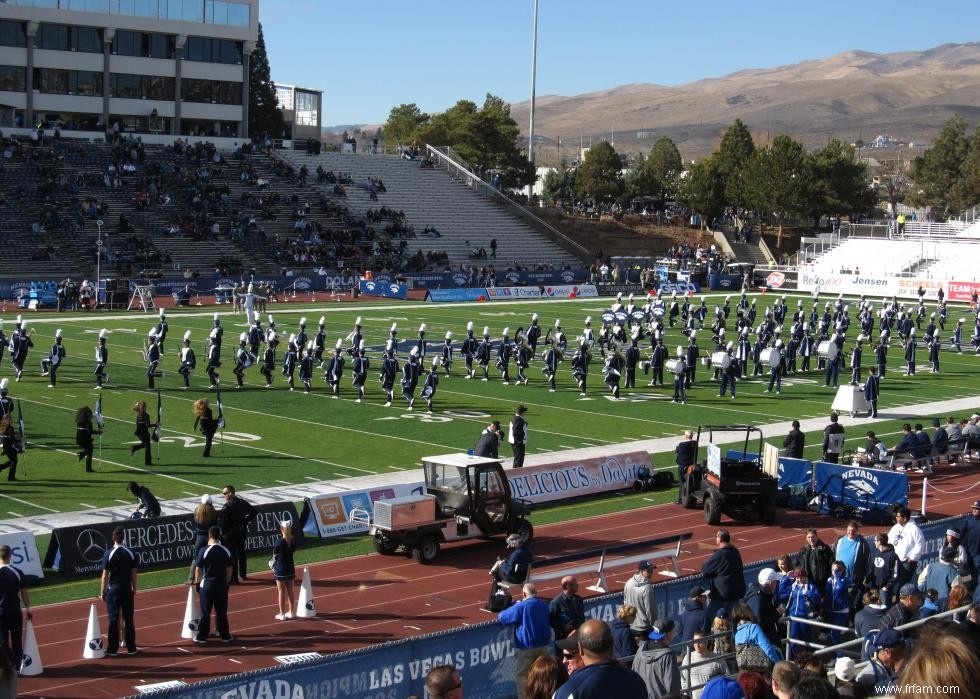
{"type": "Point", "coordinates": [152, 87]}
{"type": "Point", "coordinates": [194, 90]}
{"type": "Point", "coordinates": [213, 91]}
{"type": "Point", "coordinates": [51, 81]}
{"type": "Point", "coordinates": [161, 46]}
{"type": "Point", "coordinates": [127, 43]}
{"type": "Point", "coordinates": [126, 85]}
{"type": "Point", "coordinates": [307, 109]}
{"type": "Point", "coordinates": [12, 33]}
{"type": "Point", "coordinates": [13, 79]}
{"type": "Point", "coordinates": [87, 39]}
{"type": "Point", "coordinates": [207, 50]}
{"type": "Point", "coordinates": [52, 36]}
{"type": "Point", "coordinates": [229, 92]}
{"type": "Point", "coordinates": [85, 82]}
{"type": "Point", "coordinates": [284, 96]}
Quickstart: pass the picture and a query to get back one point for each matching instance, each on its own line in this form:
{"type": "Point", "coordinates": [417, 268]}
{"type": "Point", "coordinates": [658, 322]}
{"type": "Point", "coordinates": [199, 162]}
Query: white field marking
{"type": "Point", "coordinates": [284, 482]}
{"type": "Point", "coordinates": [649, 499]}
{"type": "Point", "coordinates": [252, 485]}
{"type": "Point", "coordinates": [311, 478]}
{"type": "Point", "coordinates": [189, 493]}
{"type": "Point", "coordinates": [25, 502]}
{"type": "Point", "coordinates": [15, 514]}
{"type": "Point", "coordinates": [398, 468]}
{"type": "Point", "coordinates": [565, 446]}
{"type": "Point", "coordinates": [85, 504]}
{"type": "Point", "coordinates": [125, 502]}
{"type": "Point", "coordinates": [69, 395]}
{"type": "Point", "coordinates": [414, 628]}
{"type": "Point", "coordinates": [350, 475]}
{"type": "Point", "coordinates": [237, 662]}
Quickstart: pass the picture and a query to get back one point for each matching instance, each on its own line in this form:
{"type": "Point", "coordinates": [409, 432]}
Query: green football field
{"type": "Point", "coordinates": [275, 437]}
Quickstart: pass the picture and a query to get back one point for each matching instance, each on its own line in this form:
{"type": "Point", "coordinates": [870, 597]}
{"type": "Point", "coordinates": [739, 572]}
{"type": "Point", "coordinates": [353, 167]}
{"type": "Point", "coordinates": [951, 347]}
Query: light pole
{"type": "Point", "coordinates": [98, 261]}
{"type": "Point", "coordinates": [534, 76]}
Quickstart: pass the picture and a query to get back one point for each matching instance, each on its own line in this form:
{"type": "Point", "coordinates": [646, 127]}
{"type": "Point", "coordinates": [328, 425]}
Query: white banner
{"type": "Point", "coordinates": [857, 284]}
{"type": "Point", "coordinates": [23, 552]}
{"type": "Point", "coordinates": [566, 479]}
{"type": "Point", "coordinates": [332, 510]}
{"type": "Point", "coordinates": [558, 291]}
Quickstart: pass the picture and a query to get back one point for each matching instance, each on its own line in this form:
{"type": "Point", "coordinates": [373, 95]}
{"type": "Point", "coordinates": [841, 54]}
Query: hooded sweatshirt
{"type": "Point", "coordinates": [693, 619]}
{"type": "Point", "coordinates": [657, 665]}
{"type": "Point", "coordinates": [638, 592]}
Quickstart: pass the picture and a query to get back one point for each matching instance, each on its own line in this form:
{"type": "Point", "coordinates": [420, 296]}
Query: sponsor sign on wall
{"type": "Point", "coordinates": [387, 289]}
{"type": "Point", "coordinates": [23, 552]}
{"type": "Point", "coordinates": [962, 291]}
{"type": "Point", "coordinates": [332, 510]}
{"type": "Point", "coordinates": [775, 279]}
{"type": "Point", "coordinates": [857, 284]}
{"type": "Point", "coordinates": [442, 295]}
{"type": "Point", "coordinates": [571, 479]}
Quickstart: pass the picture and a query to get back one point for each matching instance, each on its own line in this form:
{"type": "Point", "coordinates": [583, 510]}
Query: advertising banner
{"type": "Point", "coordinates": [161, 541]}
{"type": "Point", "coordinates": [459, 278]}
{"type": "Point", "coordinates": [863, 489]}
{"type": "Point", "coordinates": [680, 287]}
{"type": "Point", "coordinates": [331, 511]}
{"type": "Point", "coordinates": [571, 479]}
{"type": "Point", "coordinates": [724, 282]}
{"type": "Point", "coordinates": [962, 291]}
{"type": "Point", "coordinates": [442, 295]}
{"type": "Point", "coordinates": [872, 285]}
{"type": "Point", "coordinates": [23, 553]}
{"type": "Point", "coordinates": [510, 293]}
{"type": "Point", "coordinates": [389, 290]}
{"type": "Point", "coordinates": [795, 473]}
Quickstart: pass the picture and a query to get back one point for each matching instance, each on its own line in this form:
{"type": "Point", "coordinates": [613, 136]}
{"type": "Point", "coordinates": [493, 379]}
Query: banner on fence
{"type": "Point", "coordinates": [859, 489]}
{"type": "Point", "coordinates": [23, 552]}
{"type": "Point", "coordinates": [679, 287]}
{"type": "Point", "coordinates": [331, 511]}
{"type": "Point", "coordinates": [874, 285]}
{"type": "Point", "coordinates": [570, 479]}
{"type": "Point", "coordinates": [389, 290]}
{"type": "Point", "coordinates": [962, 291]}
{"type": "Point", "coordinates": [466, 294]}
{"type": "Point", "coordinates": [160, 541]}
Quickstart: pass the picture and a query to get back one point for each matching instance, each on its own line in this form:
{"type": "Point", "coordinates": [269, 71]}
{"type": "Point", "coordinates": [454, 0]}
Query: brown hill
{"type": "Point", "coordinates": [851, 95]}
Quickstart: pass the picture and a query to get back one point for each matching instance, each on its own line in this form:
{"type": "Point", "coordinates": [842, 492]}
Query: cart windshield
{"type": "Point", "coordinates": [442, 477]}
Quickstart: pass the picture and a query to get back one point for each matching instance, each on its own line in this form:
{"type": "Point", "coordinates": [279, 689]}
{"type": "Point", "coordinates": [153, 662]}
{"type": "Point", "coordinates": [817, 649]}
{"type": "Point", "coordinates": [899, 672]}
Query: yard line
{"type": "Point", "coordinates": [398, 468]}
{"type": "Point", "coordinates": [284, 482]}
{"type": "Point", "coordinates": [124, 502]}
{"type": "Point", "coordinates": [311, 478]}
{"type": "Point", "coordinates": [85, 504]}
{"type": "Point", "coordinates": [185, 492]}
{"type": "Point", "coordinates": [565, 446]}
{"type": "Point", "coordinates": [589, 444]}
{"type": "Point", "coordinates": [25, 502]}
{"type": "Point", "coordinates": [346, 475]}
{"type": "Point", "coordinates": [252, 485]}
{"type": "Point", "coordinates": [15, 514]}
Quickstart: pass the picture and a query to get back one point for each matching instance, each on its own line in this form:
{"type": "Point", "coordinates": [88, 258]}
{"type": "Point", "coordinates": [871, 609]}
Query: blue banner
{"type": "Point", "coordinates": [456, 294]}
{"type": "Point", "coordinates": [864, 489]}
{"type": "Point", "coordinates": [387, 289]}
{"type": "Point", "coordinates": [795, 473]}
{"type": "Point", "coordinates": [724, 282]}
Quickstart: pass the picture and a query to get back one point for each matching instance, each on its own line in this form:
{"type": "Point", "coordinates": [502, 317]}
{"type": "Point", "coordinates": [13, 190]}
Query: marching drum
{"type": "Point", "coordinates": [721, 360]}
{"type": "Point", "coordinates": [621, 317]}
{"type": "Point", "coordinates": [675, 366]}
{"type": "Point", "coordinates": [771, 357]}
{"type": "Point", "coordinates": [608, 317]}
{"type": "Point", "coordinates": [827, 350]}
{"type": "Point", "coordinates": [639, 316]}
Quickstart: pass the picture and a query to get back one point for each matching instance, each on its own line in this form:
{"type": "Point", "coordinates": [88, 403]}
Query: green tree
{"type": "Point", "coordinates": [838, 182]}
{"type": "Point", "coordinates": [665, 166]}
{"type": "Point", "coordinates": [895, 181]}
{"type": "Point", "coordinates": [777, 180]}
{"type": "Point", "coordinates": [703, 190]}
{"type": "Point", "coordinates": [559, 185]}
{"type": "Point", "coordinates": [937, 172]}
{"type": "Point", "coordinates": [403, 124]}
{"type": "Point", "coordinates": [264, 116]}
{"type": "Point", "coordinates": [733, 156]}
{"type": "Point", "coordinates": [967, 191]}
{"type": "Point", "coordinates": [599, 178]}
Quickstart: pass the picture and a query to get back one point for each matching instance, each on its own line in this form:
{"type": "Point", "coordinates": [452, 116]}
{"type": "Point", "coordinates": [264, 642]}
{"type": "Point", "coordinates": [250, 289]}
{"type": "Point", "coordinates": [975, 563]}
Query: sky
{"type": "Point", "coordinates": [370, 57]}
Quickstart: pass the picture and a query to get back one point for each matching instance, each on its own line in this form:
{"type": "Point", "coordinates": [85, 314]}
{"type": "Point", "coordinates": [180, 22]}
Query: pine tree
{"type": "Point", "coordinates": [264, 116]}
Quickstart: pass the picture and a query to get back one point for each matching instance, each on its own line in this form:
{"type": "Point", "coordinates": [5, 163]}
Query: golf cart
{"type": "Point", "coordinates": [467, 497]}
{"type": "Point", "coordinates": [735, 486]}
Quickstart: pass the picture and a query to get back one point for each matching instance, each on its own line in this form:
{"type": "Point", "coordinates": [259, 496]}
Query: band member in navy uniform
{"type": "Point", "coordinates": [49, 366]}
{"type": "Point", "coordinates": [3, 341]}
{"type": "Point", "coordinates": [631, 357]}
{"type": "Point", "coordinates": [269, 359]}
{"type": "Point", "coordinates": [612, 371]}
{"type": "Point", "coordinates": [776, 370]}
{"type": "Point", "coordinates": [522, 357]}
{"type": "Point", "coordinates": [306, 367]}
{"type": "Point", "coordinates": [389, 370]}
{"type": "Point", "coordinates": [468, 350]}
{"type": "Point", "coordinates": [693, 354]}
{"type": "Point", "coordinates": [20, 344]}
{"type": "Point", "coordinates": [410, 376]}
{"type": "Point", "coordinates": [393, 337]}
{"type": "Point", "coordinates": [533, 334]}
{"type": "Point", "coordinates": [856, 356]}
{"type": "Point", "coordinates": [187, 360]}
{"type": "Point", "coordinates": [935, 345]}
{"type": "Point", "coordinates": [728, 374]}
{"type": "Point", "coordinates": [504, 351]}
{"type": "Point", "coordinates": [355, 337]}
{"type": "Point", "coordinates": [359, 371]}
{"type": "Point", "coordinates": [561, 342]}
{"type": "Point", "coordinates": [806, 349]}
{"type": "Point", "coordinates": [657, 358]}
{"type": "Point", "coordinates": [142, 433]}
{"type": "Point", "coordinates": [118, 590]}
{"type": "Point", "coordinates": [881, 354]}
{"type": "Point", "coordinates": [680, 377]}
{"type": "Point", "coordinates": [335, 369]}
{"type": "Point", "coordinates": [289, 362]}
{"type": "Point", "coordinates": [833, 365]}
{"type": "Point", "coordinates": [217, 333]}
{"type": "Point", "coordinates": [213, 571]}
{"type": "Point", "coordinates": [162, 329]}
{"type": "Point", "coordinates": [204, 417]}
{"type": "Point", "coordinates": [674, 310]}
{"type": "Point", "coordinates": [483, 354]}
{"type": "Point", "coordinates": [243, 360]}
{"type": "Point", "coordinates": [517, 436]}
{"type": "Point", "coordinates": [910, 347]}
{"type": "Point", "coordinates": [447, 353]}
{"type": "Point", "coordinates": [958, 336]}
{"type": "Point", "coordinates": [301, 337]}
{"type": "Point", "coordinates": [550, 369]}
{"type": "Point", "coordinates": [422, 343]}
{"type": "Point", "coordinates": [320, 342]}
{"type": "Point", "coordinates": [430, 385]}
{"type": "Point", "coordinates": [871, 390]}
{"type": "Point", "coordinates": [101, 360]}
{"type": "Point", "coordinates": [7, 436]}
{"type": "Point", "coordinates": [152, 360]}
{"type": "Point", "coordinates": [255, 336]}
{"type": "Point", "coordinates": [271, 330]}
{"type": "Point", "coordinates": [580, 366]}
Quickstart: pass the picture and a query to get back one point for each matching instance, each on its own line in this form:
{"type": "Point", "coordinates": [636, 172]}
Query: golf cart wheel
{"type": "Point", "coordinates": [712, 510]}
{"type": "Point", "coordinates": [688, 501]}
{"type": "Point", "coordinates": [524, 530]}
{"type": "Point", "coordinates": [384, 545]}
{"type": "Point", "coordinates": [427, 550]}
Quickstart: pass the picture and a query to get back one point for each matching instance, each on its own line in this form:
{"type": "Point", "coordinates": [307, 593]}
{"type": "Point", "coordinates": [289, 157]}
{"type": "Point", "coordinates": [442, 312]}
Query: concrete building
{"type": "Point", "coordinates": [176, 67]}
{"type": "Point", "coordinates": [302, 110]}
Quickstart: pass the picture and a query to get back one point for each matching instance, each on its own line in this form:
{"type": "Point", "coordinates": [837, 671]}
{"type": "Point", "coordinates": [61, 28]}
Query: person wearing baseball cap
{"type": "Point", "coordinates": [693, 618]}
{"type": "Point", "coordinates": [906, 610]}
{"type": "Point", "coordinates": [970, 539]}
{"type": "Point", "coordinates": [889, 649]}
{"type": "Point", "coordinates": [761, 599]}
{"type": "Point", "coordinates": [517, 565]}
{"type": "Point", "coordinates": [656, 663]}
{"type": "Point", "coordinates": [638, 592]}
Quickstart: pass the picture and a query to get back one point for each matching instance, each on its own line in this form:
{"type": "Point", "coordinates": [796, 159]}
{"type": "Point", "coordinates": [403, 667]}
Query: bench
{"type": "Point", "coordinates": [615, 556]}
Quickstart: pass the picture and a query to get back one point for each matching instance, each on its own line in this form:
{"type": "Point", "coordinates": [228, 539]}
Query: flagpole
{"type": "Point", "coordinates": [159, 428]}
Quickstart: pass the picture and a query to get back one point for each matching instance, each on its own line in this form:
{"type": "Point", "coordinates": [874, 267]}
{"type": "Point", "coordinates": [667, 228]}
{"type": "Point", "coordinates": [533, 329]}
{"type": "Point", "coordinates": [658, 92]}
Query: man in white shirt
{"type": "Point", "coordinates": [700, 674]}
{"type": "Point", "coordinates": [909, 544]}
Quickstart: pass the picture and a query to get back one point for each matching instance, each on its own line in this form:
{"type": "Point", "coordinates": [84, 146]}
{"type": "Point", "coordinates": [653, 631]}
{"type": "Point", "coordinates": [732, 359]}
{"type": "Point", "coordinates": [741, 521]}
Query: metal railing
{"type": "Point", "coordinates": [460, 172]}
{"type": "Point", "coordinates": [971, 215]}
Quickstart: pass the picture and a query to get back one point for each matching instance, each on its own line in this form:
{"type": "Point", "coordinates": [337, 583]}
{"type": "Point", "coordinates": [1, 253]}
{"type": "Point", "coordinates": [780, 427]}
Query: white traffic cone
{"type": "Point", "coordinates": [94, 648]}
{"type": "Point", "coordinates": [306, 607]}
{"type": "Point", "coordinates": [191, 615]}
{"type": "Point", "coordinates": [31, 664]}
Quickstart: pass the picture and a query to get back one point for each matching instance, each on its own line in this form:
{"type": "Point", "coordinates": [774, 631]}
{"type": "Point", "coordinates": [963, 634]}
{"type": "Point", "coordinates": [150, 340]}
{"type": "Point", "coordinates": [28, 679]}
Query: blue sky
{"type": "Point", "coordinates": [369, 57]}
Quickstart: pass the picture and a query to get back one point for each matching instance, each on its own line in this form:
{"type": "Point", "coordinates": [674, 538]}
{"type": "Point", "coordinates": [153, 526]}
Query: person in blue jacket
{"type": "Point", "coordinates": [837, 599]}
{"type": "Point", "coordinates": [804, 602]}
{"type": "Point", "coordinates": [532, 631]}
{"type": "Point", "coordinates": [747, 631]}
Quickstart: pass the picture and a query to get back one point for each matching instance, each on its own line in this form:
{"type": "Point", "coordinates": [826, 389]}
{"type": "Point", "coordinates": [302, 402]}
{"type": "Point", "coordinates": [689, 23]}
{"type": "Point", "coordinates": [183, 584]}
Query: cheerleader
{"type": "Point", "coordinates": [269, 358]}
{"type": "Point", "coordinates": [335, 369]}
{"type": "Point", "coordinates": [359, 371]}
{"type": "Point", "coordinates": [289, 362]}
{"type": "Point", "coordinates": [306, 367]}
{"type": "Point", "coordinates": [447, 353]}
{"type": "Point", "coordinates": [101, 360]}
{"type": "Point", "coordinates": [187, 360]}
{"type": "Point", "coordinates": [430, 385]}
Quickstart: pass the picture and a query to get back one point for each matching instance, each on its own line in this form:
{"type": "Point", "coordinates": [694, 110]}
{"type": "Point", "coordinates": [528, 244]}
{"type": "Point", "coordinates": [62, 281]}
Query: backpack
{"type": "Point", "coordinates": [499, 599]}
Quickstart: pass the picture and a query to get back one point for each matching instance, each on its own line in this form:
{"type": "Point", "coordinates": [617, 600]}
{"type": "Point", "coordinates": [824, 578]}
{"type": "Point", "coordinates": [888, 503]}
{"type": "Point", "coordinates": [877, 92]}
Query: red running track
{"type": "Point", "coordinates": [372, 599]}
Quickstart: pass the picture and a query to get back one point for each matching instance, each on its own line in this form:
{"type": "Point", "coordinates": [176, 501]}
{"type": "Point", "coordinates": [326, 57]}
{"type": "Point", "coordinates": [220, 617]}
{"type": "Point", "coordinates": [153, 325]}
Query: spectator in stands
{"type": "Point", "coordinates": [869, 617]}
{"type": "Point", "coordinates": [755, 685]}
{"type": "Point", "coordinates": [570, 656]}
{"type": "Point", "coordinates": [724, 572]}
{"type": "Point", "coordinates": [940, 575]}
{"type": "Point", "coordinates": [694, 618]}
{"type": "Point", "coordinates": [532, 633]}
{"type": "Point", "coordinates": [722, 688]}
{"type": "Point", "coordinates": [785, 677]}
{"type": "Point", "coordinates": [833, 440]}
{"type": "Point", "coordinates": [906, 610]}
{"type": "Point", "coordinates": [837, 599]}
{"type": "Point", "coordinates": [844, 679]}
{"type": "Point", "coordinates": [761, 599]}
{"type": "Point", "coordinates": [546, 675]}
{"type": "Point", "coordinates": [722, 625]}
{"type": "Point", "coordinates": [804, 602]}
{"type": "Point", "coordinates": [444, 682]}
{"type": "Point", "coordinates": [816, 559]}
{"type": "Point", "coordinates": [940, 440]}
{"type": "Point", "coordinates": [909, 544]}
{"type": "Point", "coordinates": [785, 565]}
{"type": "Point", "coordinates": [656, 663]}
{"type": "Point", "coordinates": [567, 610]}
{"type": "Point", "coordinates": [749, 633]}
{"type": "Point", "coordinates": [884, 573]}
{"type": "Point", "coordinates": [853, 551]}
{"type": "Point", "coordinates": [698, 666]}
{"type": "Point", "coordinates": [889, 651]}
{"type": "Point", "coordinates": [638, 593]}
{"type": "Point", "coordinates": [930, 604]}
{"type": "Point", "coordinates": [624, 643]}
{"type": "Point", "coordinates": [951, 658]}
{"type": "Point", "coordinates": [602, 676]}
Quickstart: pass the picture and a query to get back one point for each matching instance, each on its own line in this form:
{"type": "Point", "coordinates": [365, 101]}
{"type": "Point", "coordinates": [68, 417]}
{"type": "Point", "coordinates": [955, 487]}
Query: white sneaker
{"type": "Point", "coordinates": [287, 615]}
{"type": "Point", "coordinates": [280, 616]}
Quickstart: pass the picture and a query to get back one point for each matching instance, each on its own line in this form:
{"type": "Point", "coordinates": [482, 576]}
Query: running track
{"type": "Point", "coordinates": [372, 599]}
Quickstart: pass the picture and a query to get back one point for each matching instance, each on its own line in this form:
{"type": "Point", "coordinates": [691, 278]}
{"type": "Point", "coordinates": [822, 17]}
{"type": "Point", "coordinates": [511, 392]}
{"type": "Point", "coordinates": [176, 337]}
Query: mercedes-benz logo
{"type": "Point", "coordinates": [91, 545]}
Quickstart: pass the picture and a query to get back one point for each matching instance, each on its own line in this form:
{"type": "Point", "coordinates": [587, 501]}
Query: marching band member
{"type": "Point", "coordinates": [410, 377]}
{"type": "Point", "coordinates": [680, 377]}
{"type": "Point", "coordinates": [617, 305]}
{"type": "Point", "coordinates": [335, 369]}
{"type": "Point", "coordinates": [49, 365]}
{"type": "Point", "coordinates": [430, 385]}
{"type": "Point", "coordinates": [320, 342]}
{"type": "Point", "coordinates": [142, 433]}
{"type": "Point", "coordinates": [742, 351]}
{"type": "Point", "coordinates": [20, 344]}
{"type": "Point", "coordinates": [389, 369]}
{"type": "Point", "coordinates": [603, 338]}
{"type": "Point", "coordinates": [631, 357]}
{"type": "Point", "coordinates": [871, 390]}
{"type": "Point", "coordinates": [943, 314]}
{"type": "Point", "coordinates": [686, 309]}
{"type": "Point", "coordinates": [910, 347]}
{"type": "Point", "coordinates": [422, 343]}
{"type": "Point", "coordinates": [833, 365]}
{"type": "Point", "coordinates": [757, 349]}
{"type": "Point", "coordinates": [729, 373]}
{"type": "Point", "coordinates": [534, 334]}
{"type": "Point", "coordinates": [727, 308]}
{"type": "Point", "coordinates": [447, 353]}
{"type": "Point", "coordinates": [674, 311]}
{"type": "Point", "coordinates": [504, 351]}
{"type": "Point", "coordinates": [693, 354]}
{"type": "Point", "coordinates": [101, 360]}
{"type": "Point", "coordinates": [957, 337]}
{"type": "Point", "coordinates": [188, 361]}
{"type": "Point", "coordinates": [931, 327]}
{"type": "Point", "coordinates": [301, 336]}
{"type": "Point", "coordinates": [935, 344]}
{"type": "Point", "coordinates": [550, 368]}
{"type": "Point", "coordinates": [204, 417]}
{"type": "Point", "coordinates": [255, 336]}
{"type": "Point", "coordinates": [612, 371]}
{"type": "Point", "coordinates": [881, 354]}
{"type": "Point", "coordinates": [243, 360]}
{"type": "Point", "coordinates": [658, 355]}
{"type": "Point", "coordinates": [289, 361]}
{"type": "Point", "coordinates": [587, 333]}
{"type": "Point", "coordinates": [269, 358]}
{"type": "Point", "coordinates": [483, 354]}
{"type": "Point", "coordinates": [359, 371]}
{"type": "Point", "coordinates": [630, 306]}
{"type": "Point", "coordinates": [3, 341]}
{"type": "Point", "coordinates": [806, 349]}
{"type": "Point", "coordinates": [214, 351]}
{"type": "Point", "coordinates": [7, 435]}
{"type": "Point", "coordinates": [271, 330]}
{"type": "Point", "coordinates": [306, 367]}
{"type": "Point", "coordinates": [522, 355]}
{"type": "Point", "coordinates": [468, 350]}
{"type": "Point", "coordinates": [152, 360]}
{"type": "Point", "coordinates": [776, 370]}
{"type": "Point", "coordinates": [792, 347]}
{"type": "Point", "coordinates": [393, 337]}
{"type": "Point", "coordinates": [355, 337]}
{"type": "Point", "coordinates": [701, 313]}
{"type": "Point", "coordinates": [580, 365]}
{"type": "Point", "coordinates": [856, 355]}
{"type": "Point", "coordinates": [162, 329]}
{"type": "Point", "coordinates": [561, 342]}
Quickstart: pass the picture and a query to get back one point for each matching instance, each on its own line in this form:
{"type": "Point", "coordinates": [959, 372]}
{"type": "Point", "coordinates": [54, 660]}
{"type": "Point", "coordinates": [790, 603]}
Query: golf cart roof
{"type": "Point", "coordinates": [460, 460]}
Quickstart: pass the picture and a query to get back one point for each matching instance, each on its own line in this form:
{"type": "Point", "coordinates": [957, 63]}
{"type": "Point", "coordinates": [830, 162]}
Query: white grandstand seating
{"type": "Point", "coordinates": [946, 259]}
{"type": "Point", "coordinates": [430, 198]}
